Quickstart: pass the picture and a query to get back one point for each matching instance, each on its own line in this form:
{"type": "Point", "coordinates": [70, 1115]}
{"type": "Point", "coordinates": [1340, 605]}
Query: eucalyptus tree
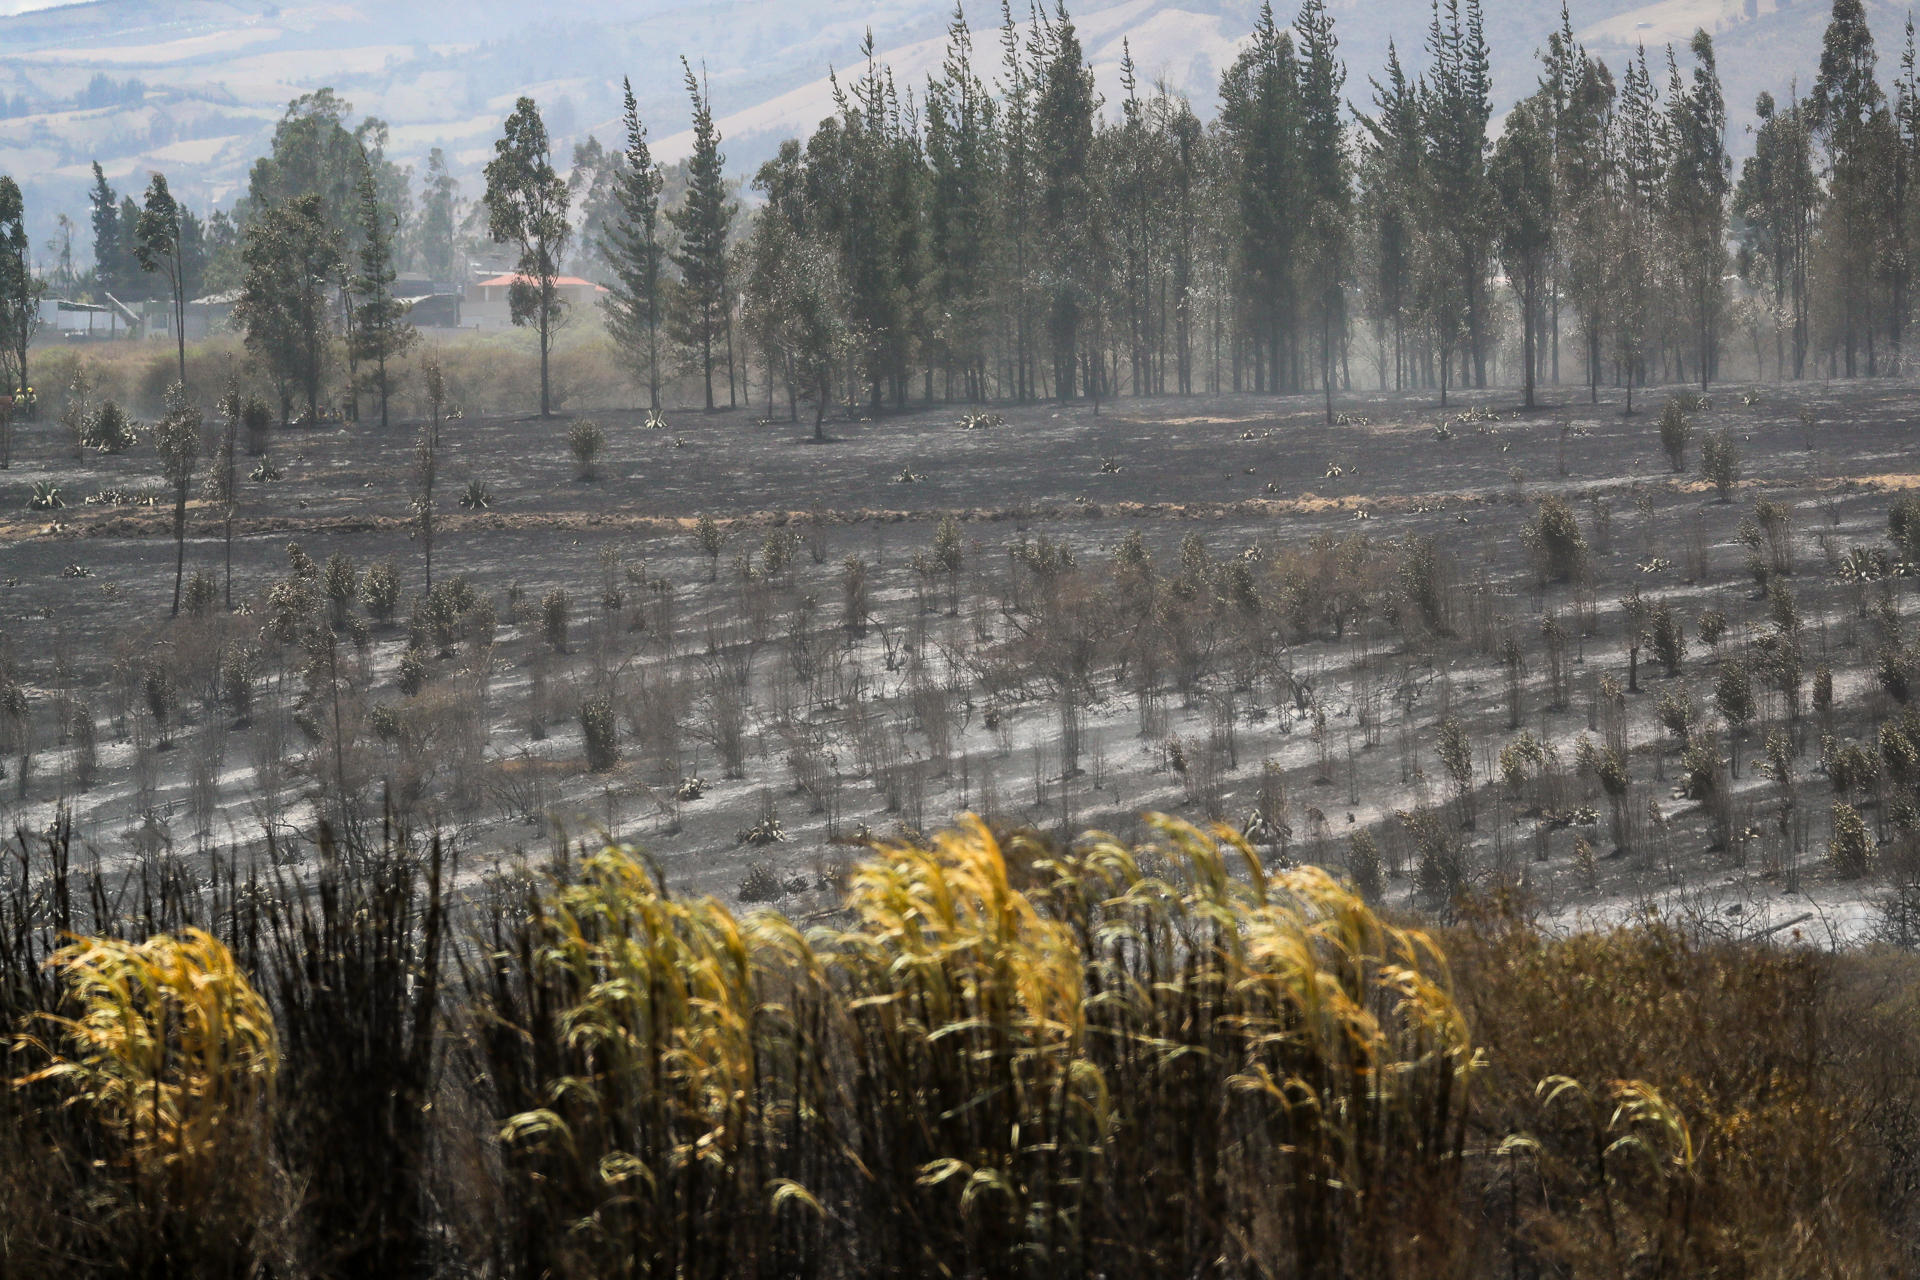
{"type": "Point", "coordinates": [20, 291]}
{"type": "Point", "coordinates": [527, 204]}
{"type": "Point", "coordinates": [285, 311]}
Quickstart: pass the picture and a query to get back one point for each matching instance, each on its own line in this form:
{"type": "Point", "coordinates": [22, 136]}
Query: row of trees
{"type": "Point", "coordinates": [1015, 239]}
{"type": "Point", "coordinates": [1018, 240]}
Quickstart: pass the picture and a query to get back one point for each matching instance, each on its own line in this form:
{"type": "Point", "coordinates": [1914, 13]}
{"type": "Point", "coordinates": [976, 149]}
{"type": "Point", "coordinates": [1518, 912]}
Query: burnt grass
{"type": "Point", "coordinates": [1285, 673]}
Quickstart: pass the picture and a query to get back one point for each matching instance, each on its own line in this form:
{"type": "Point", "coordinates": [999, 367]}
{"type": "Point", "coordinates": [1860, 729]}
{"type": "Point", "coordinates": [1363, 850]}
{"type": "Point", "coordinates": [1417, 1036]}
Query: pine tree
{"type": "Point", "coordinates": [1328, 183]}
{"type": "Point", "coordinates": [381, 333]}
{"type": "Point", "coordinates": [158, 246]}
{"type": "Point", "coordinates": [1260, 117]}
{"type": "Point", "coordinates": [703, 305]}
{"type": "Point", "coordinates": [1641, 150]}
{"type": "Point", "coordinates": [1583, 96]}
{"type": "Point", "coordinates": [527, 207]}
{"type": "Point", "coordinates": [863, 207]}
{"type": "Point", "coordinates": [110, 251]}
{"type": "Point", "coordinates": [1699, 180]}
{"type": "Point", "coordinates": [1063, 112]}
{"type": "Point", "coordinates": [635, 253]}
{"type": "Point", "coordinates": [1522, 178]}
{"type": "Point", "coordinates": [1391, 151]}
{"type": "Point", "coordinates": [1017, 267]}
{"type": "Point", "coordinates": [1188, 184]}
{"type": "Point", "coordinates": [960, 146]}
{"type": "Point", "coordinates": [1132, 192]}
{"type": "Point", "coordinates": [1455, 110]}
{"type": "Point", "coordinates": [1776, 201]}
{"type": "Point", "coordinates": [1851, 120]}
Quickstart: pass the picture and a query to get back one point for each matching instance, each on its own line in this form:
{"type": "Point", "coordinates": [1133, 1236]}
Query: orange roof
{"type": "Point", "coordinates": [501, 282]}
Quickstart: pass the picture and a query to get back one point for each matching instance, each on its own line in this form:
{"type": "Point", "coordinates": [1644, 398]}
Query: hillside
{"type": "Point", "coordinates": [212, 75]}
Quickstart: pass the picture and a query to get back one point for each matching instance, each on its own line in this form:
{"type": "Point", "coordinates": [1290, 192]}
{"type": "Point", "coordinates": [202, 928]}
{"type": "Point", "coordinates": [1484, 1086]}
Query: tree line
{"type": "Point", "coordinates": [1002, 233]}
{"type": "Point", "coordinates": [1022, 239]}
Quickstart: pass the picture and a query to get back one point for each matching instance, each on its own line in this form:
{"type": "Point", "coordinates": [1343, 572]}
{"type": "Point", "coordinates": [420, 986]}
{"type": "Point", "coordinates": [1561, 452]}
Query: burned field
{"type": "Point", "coordinates": [1447, 652]}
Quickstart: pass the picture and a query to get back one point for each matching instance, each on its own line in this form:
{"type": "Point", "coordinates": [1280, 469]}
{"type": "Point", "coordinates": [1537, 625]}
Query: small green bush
{"type": "Point", "coordinates": [109, 430]}
{"type": "Point", "coordinates": [380, 591]}
{"type": "Point", "coordinates": [600, 730]}
{"type": "Point", "coordinates": [1720, 462]}
{"type": "Point", "coordinates": [1851, 847]}
{"type": "Point", "coordinates": [586, 440]}
{"type": "Point", "coordinates": [553, 618]}
{"type": "Point", "coordinates": [1557, 542]}
{"type": "Point", "coordinates": [1675, 433]}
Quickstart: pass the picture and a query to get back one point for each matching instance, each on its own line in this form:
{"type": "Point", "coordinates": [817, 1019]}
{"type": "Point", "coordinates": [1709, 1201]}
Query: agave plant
{"type": "Point", "coordinates": [46, 496]}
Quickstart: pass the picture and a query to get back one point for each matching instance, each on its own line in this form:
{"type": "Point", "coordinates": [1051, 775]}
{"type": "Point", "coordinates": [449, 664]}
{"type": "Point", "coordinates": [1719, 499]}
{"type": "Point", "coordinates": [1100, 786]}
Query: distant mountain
{"type": "Point", "coordinates": [192, 87]}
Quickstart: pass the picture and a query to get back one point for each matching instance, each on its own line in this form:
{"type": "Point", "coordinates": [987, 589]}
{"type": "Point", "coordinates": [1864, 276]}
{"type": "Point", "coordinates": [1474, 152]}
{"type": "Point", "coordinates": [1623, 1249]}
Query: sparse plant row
{"type": "Point", "coordinates": [916, 696]}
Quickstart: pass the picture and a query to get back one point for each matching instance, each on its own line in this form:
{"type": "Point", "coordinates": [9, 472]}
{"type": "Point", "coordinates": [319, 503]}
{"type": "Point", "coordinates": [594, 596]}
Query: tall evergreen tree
{"type": "Point", "coordinates": [1777, 200]}
{"type": "Point", "coordinates": [527, 207]}
{"type": "Point", "coordinates": [1328, 184]}
{"type": "Point", "coordinates": [1699, 181]}
{"type": "Point", "coordinates": [1391, 151]}
{"type": "Point", "coordinates": [1522, 178]}
{"type": "Point", "coordinates": [960, 146]}
{"type": "Point", "coordinates": [1582, 92]}
{"type": "Point", "coordinates": [1063, 113]}
{"type": "Point", "coordinates": [703, 303]}
{"type": "Point", "coordinates": [1456, 108]}
{"type": "Point", "coordinates": [1017, 267]}
{"type": "Point", "coordinates": [865, 204]}
{"type": "Point", "coordinates": [1188, 185]}
{"type": "Point", "coordinates": [636, 254]}
{"type": "Point", "coordinates": [381, 333]}
{"type": "Point", "coordinates": [110, 251]}
{"type": "Point", "coordinates": [1260, 117]}
{"type": "Point", "coordinates": [1641, 151]}
{"type": "Point", "coordinates": [159, 246]}
{"type": "Point", "coordinates": [1852, 121]}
